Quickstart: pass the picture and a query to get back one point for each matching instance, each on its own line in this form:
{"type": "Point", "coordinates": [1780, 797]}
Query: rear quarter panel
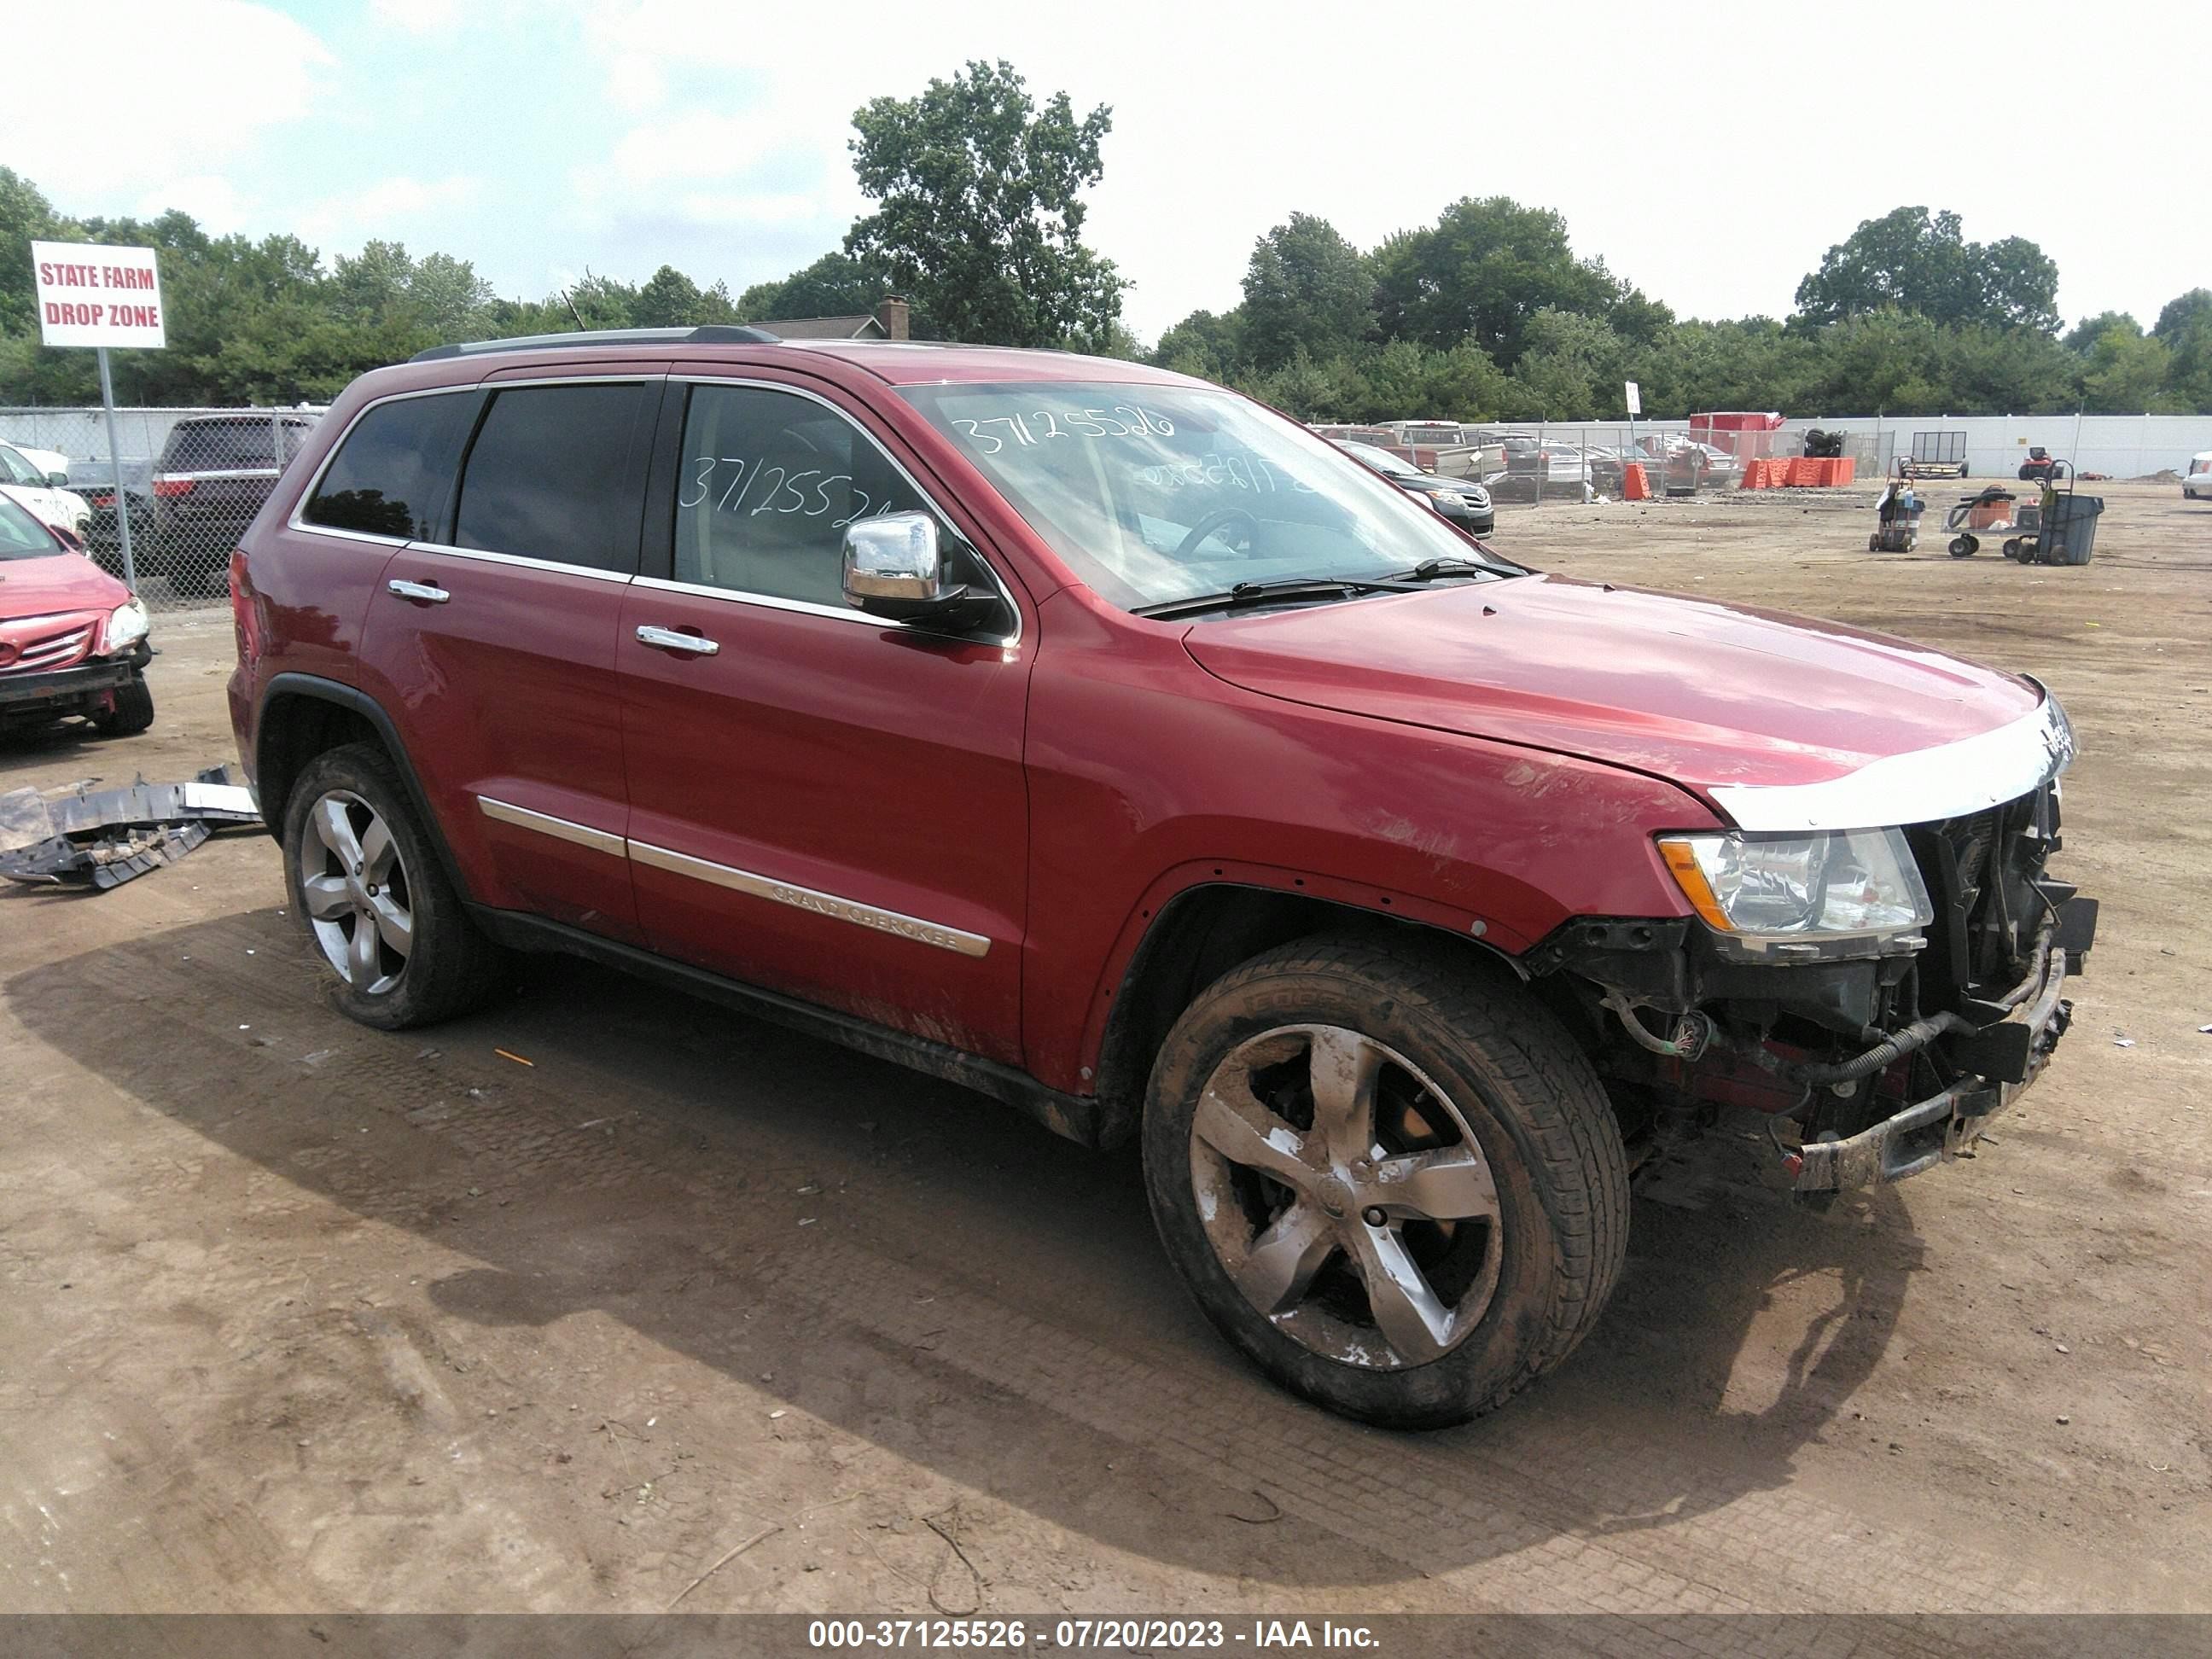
{"type": "Point", "coordinates": [300, 598]}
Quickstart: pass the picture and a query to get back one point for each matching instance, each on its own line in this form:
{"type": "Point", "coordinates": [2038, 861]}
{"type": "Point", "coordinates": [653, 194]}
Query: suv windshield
{"type": "Point", "coordinates": [22, 536]}
{"type": "Point", "coordinates": [1153, 494]}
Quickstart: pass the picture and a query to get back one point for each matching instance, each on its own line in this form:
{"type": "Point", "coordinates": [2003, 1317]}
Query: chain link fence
{"type": "Point", "coordinates": [192, 480]}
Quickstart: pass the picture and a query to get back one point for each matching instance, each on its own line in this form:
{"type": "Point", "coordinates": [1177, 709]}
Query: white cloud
{"type": "Point", "coordinates": [155, 84]}
{"type": "Point", "coordinates": [418, 16]}
{"type": "Point", "coordinates": [215, 201]}
{"type": "Point", "coordinates": [701, 207]}
{"type": "Point", "coordinates": [388, 210]}
{"type": "Point", "coordinates": [1662, 147]}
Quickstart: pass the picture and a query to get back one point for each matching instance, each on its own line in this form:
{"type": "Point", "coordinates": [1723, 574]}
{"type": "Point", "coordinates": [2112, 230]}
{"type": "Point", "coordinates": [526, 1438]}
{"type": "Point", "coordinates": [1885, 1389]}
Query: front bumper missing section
{"type": "Point", "coordinates": [1939, 1128]}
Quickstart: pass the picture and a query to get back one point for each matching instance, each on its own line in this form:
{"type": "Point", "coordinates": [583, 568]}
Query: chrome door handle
{"type": "Point", "coordinates": [669, 640]}
{"type": "Point", "coordinates": [422, 591]}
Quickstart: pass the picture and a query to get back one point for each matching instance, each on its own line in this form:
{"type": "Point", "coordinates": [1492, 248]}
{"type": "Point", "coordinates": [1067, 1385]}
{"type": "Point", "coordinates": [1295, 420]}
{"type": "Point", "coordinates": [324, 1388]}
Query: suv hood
{"type": "Point", "coordinates": [66, 581]}
{"type": "Point", "coordinates": [1713, 697]}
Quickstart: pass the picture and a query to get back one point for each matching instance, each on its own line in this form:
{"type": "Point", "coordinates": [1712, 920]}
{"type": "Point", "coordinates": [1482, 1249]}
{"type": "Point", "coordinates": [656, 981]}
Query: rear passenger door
{"type": "Point", "coordinates": [491, 642]}
{"type": "Point", "coordinates": [820, 803]}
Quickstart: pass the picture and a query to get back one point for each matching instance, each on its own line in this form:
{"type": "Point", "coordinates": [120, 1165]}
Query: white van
{"type": "Point", "coordinates": [2198, 485]}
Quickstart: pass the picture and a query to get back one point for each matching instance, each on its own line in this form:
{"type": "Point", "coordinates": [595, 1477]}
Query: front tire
{"type": "Point", "coordinates": [367, 885]}
{"type": "Point", "coordinates": [132, 713]}
{"type": "Point", "coordinates": [1395, 1186]}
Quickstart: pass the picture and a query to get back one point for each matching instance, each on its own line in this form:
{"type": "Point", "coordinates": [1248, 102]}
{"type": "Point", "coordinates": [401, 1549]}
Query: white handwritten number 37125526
{"type": "Point", "coordinates": [1122, 421]}
{"type": "Point", "coordinates": [754, 488]}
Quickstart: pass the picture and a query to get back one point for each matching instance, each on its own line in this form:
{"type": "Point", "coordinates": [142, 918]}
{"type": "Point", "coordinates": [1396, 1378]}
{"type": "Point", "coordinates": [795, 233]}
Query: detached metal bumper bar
{"type": "Point", "coordinates": [1937, 1129]}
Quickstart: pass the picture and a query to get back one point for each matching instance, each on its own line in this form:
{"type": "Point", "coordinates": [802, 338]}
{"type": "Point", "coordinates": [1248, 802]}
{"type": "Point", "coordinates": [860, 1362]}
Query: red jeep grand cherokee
{"type": "Point", "coordinates": [1101, 739]}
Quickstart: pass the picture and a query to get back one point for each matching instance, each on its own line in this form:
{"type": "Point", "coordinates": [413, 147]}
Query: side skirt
{"type": "Point", "coordinates": [1075, 1117]}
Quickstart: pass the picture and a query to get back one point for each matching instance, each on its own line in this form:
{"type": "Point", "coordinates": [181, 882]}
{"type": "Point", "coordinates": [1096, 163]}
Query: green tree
{"type": "Point", "coordinates": [2082, 338]}
{"type": "Point", "coordinates": [1573, 366]}
{"type": "Point", "coordinates": [668, 299]}
{"type": "Point", "coordinates": [1484, 270]}
{"type": "Point", "coordinates": [1306, 286]}
{"type": "Point", "coordinates": [2177, 315]}
{"type": "Point", "coordinates": [2189, 367]}
{"type": "Point", "coordinates": [1208, 345]}
{"type": "Point", "coordinates": [978, 212]}
{"type": "Point", "coordinates": [25, 216]}
{"type": "Point", "coordinates": [448, 297]}
{"type": "Point", "coordinates": [2125, 373]}
{"type": "Point", "coordinates": [1910, 259]}
{"type": "Point", "coordinates": [834, 285]}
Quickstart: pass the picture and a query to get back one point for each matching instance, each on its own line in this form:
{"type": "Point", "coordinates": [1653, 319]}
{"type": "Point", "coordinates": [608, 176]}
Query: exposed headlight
{"type": "Point", "coordinates": [1763, 892]}
{"type": "Point", "coordinates": [1449, 498]}
{"type": "Point", "coordinates": [127, 624]}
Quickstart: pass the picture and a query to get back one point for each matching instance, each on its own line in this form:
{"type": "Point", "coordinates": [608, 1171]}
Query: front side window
{"type": "Point", "coordinates": [1156, 493]}
{"type": "Point", "coordinates": [14, 470]}
{"type": "Point", "coordinates": [549, 477]}
{"type": "Point", "coordinates": [769, 481]}
{"type": "Point", "coordinates": [391, 472]}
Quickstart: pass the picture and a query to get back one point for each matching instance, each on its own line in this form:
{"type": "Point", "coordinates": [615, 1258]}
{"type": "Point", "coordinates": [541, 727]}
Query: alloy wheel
{"type": "Point", "coordinates": [1345, 1196]}
{"type": "Point", "coordinates": [354, 885]}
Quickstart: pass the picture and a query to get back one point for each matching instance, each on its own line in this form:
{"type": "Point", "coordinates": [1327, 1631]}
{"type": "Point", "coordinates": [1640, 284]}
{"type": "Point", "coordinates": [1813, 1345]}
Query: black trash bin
{"type": "Point", "coordinates": [2072, 530]}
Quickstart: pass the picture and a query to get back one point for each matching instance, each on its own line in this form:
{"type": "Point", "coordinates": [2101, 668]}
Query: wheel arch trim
{"type": "Point", "coordinates": [314, 688]}
{"type": "Point", "coordinates": [1156, 916]}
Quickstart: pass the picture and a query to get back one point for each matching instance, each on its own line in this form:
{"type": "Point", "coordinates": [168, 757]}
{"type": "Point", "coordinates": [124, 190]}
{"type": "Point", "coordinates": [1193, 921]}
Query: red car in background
{"type": "Point", "coordinates": [1101, 739]}
{"type": "Point", "coordinates": [72, 638]}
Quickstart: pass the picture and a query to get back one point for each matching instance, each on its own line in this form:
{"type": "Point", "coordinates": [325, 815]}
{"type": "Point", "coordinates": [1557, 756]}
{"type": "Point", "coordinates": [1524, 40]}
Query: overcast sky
{"type": "Point", "coordinates": [1710, 154]}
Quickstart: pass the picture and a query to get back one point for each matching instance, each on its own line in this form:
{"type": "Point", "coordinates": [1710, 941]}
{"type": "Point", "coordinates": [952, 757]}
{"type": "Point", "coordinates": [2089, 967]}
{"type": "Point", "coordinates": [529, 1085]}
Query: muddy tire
{"type": "Point", "coordinates": [133, 711]}
{"type": "Point", "coordinates": [1388, 1178]}
{"type": "Point", "coordinates": [369, 890]}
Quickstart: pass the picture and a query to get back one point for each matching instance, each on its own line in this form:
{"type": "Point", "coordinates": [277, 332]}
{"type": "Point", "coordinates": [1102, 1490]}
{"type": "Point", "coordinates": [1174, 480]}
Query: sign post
{"type": "Point", "coordinates": [1635, 407]}
{"type": "Point", "coordinates": [91, 294]}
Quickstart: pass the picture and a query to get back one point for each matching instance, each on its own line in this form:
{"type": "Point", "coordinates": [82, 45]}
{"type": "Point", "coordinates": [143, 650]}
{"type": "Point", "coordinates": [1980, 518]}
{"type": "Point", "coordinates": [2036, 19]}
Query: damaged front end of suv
{"type": "Point", "coordinates": [1886, 988]}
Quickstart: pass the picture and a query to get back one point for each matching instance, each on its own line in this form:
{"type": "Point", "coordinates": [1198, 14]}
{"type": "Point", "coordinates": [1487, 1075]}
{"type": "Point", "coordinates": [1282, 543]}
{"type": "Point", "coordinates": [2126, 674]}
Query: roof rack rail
{"type": "Point", "coordinates": [705, 334]}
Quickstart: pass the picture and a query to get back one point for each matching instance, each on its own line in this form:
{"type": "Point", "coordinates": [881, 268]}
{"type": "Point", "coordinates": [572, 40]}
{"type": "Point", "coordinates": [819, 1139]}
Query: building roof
{"type": "Point", "coordinates": [862, 327]}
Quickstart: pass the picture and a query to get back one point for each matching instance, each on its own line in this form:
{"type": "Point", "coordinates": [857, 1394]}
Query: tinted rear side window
{"type": "Point", "coordinates": [550, 476]}
{"type": "Point", "coordinates": [390, 474]}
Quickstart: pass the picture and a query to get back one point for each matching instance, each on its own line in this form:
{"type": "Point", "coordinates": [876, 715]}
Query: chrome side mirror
{"type": "Point", "coordinates": [895, 568]}
{"type": "Point", "coordinates": [894, 557]}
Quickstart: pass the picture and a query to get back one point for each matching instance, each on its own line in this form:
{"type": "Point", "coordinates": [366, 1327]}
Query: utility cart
{"type": "Point", "coordinates": [1994, 512]}
{"type": "Point", "coordinates": [1896, 514]}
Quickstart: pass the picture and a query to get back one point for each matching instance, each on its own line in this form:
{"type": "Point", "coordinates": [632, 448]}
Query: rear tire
{"type": "Point", "coordinates": [133, 711]}
{"type": "Point", "coordinates": [1338, 1114]}
{"type": "Point", "coordinates": [369, 889]}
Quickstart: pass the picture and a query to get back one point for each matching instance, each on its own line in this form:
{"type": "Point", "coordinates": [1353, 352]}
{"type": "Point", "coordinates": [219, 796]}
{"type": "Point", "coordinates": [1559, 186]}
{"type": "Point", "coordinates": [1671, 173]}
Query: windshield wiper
{"type": "Point", "coordinates": [1291, 588]}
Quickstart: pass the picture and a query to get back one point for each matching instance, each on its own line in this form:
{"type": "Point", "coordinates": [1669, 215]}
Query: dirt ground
{"type": "Point", "coordinates": [298, 1316]}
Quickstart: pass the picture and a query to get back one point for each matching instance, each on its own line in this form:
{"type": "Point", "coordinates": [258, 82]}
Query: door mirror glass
{"type": "Point", "coordinates": [57, 480]}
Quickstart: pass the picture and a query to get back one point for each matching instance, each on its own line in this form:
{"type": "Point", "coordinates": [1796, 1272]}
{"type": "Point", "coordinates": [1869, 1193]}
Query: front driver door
{"type": "Point", "coordinates": [821, 804]}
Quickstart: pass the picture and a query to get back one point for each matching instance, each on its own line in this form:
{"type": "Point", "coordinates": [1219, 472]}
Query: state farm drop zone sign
{"type": "Point", "coordinates": [90, 294]}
